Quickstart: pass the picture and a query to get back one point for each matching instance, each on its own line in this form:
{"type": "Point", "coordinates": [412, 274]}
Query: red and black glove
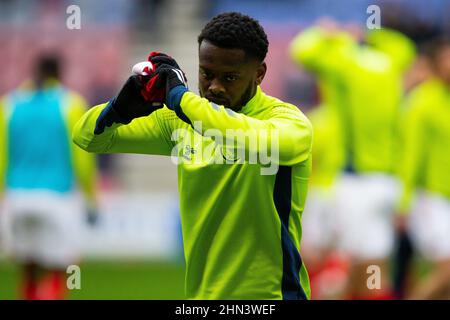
{"type": "Point", "coordinates": [142, 94]}
{"type": "Point", "coordinates": [157, 58]}
{"type": "Point", "coordinates": [151, 92]}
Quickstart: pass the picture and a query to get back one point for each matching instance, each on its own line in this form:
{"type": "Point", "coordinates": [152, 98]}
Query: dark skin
{"type": "Point", "coordinates": [228, 77]}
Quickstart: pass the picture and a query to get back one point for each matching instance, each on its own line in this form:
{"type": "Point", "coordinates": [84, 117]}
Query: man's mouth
{"type": "Point", "coordinates": [218, 100]}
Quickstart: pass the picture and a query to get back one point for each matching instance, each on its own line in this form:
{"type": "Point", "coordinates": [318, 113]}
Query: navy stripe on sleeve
{"type": "Point", "coordinates": [292, 262]}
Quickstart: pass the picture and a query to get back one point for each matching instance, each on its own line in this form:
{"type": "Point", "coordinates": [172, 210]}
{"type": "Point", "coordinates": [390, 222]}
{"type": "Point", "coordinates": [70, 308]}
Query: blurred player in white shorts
{"type": "Point", "coordinates": [363, 84]}
{"type": "Point", "coordinates": [430, 226]}
{"type": "Point", "coordinates": [424, 206]}
{"type": "Point", "coordinates": [43, 226]}
{"type": "Point", "coordinates": [40, 172]}
{"type": "Point", "coordinates": [366, 203]}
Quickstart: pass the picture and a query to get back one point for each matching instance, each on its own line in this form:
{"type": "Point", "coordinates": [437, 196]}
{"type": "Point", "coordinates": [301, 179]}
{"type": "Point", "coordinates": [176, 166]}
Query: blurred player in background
{"type": "Point", "coordinates": [39, 173]}
{"type": "Point", "coordinates": [326, 267]}
{"type": "Point", "coordinates": [425, 172]}
{"type": "Point", "coordinates": [241, 227]}
{"type": "Point", "coordinates": [404, 251]}
{"type": "Point", "coordinates": [366, 84]}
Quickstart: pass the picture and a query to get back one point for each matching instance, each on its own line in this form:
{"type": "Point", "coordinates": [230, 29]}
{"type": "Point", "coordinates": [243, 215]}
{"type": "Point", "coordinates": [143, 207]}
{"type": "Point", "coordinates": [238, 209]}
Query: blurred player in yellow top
{"type": "Point", "coordinates": [365, 81]}
{"type": "Point", "coordinates": [425, 173]}
{"type": "Point", "coordinates": [326, 267]}
{"type": "Point", "coordinates": [39, 172]}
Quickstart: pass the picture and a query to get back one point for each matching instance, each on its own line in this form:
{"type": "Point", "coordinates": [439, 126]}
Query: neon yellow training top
{"type": "Point", "coordinates": [426, 142]}
{"type": "Point", "coordinates": [364, 85]}
{"type": "Point", "coordinates": [241, 220]}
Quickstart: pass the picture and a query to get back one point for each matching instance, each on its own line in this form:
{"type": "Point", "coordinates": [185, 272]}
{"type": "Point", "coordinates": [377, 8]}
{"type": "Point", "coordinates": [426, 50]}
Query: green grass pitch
{"type": "Point", "coordinates": [113, 280]}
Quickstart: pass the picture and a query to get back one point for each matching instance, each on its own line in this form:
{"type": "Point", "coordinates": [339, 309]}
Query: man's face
{"type": "Point", "coordinates": [227, 76]}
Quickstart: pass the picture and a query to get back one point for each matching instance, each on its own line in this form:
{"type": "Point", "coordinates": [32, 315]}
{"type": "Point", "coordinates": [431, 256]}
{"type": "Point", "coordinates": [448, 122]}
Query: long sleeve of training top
{"type": "Point", "coordinates": [396, 45]}
{"type": "Point", "coordinates": [284, 122]}
{"type": "Point", "coordinates": [145, 135]}
{"type": "Point", "coordinates": [152, 134]}
{"type": "Point", "coordinates": [322, 52]}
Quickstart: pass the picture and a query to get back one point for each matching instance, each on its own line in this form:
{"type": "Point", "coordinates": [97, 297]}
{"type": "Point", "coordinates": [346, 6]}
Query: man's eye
{"type": "Point", "coordinates": [230, 78]}
{"type": "Point", "coordinates": [205, 75]}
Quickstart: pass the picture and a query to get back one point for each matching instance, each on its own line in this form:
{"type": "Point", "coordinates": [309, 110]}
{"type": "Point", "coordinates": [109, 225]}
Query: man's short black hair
{"type": "Point", "coordinates": [233, 30]}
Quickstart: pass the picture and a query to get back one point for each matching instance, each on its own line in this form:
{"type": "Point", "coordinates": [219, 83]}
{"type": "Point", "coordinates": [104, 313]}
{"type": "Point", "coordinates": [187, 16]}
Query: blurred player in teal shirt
{"type": "Point", "coordinates": [40, 173]}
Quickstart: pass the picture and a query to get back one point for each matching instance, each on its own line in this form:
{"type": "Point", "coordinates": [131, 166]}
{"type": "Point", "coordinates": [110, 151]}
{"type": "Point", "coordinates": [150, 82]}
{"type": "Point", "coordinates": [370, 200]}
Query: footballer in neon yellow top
{"type": "Point", "coordinates": [361, 85]}
{"type": "Point", "coordinates": [241, 202]}
{"type": "Point", "coordinates": [352, 75]}
{"type": "Point", "coordinates": [424, 205]}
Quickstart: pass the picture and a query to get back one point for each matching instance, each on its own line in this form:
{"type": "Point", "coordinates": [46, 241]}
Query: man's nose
{"type": "Point", "coordinates": [215, 87]}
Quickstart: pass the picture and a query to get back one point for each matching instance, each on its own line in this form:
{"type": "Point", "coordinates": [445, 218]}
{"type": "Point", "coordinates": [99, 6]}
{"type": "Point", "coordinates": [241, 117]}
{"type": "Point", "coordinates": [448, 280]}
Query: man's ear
{"type": "Point", "coordinates": [260, 73]}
